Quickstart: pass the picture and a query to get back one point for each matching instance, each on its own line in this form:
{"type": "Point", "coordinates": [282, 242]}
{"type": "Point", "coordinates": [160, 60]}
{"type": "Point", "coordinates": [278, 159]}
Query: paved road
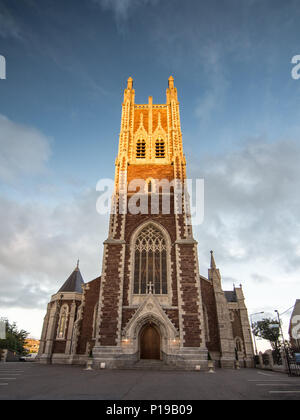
{"type": "Point", "coordinates": [32, 381]}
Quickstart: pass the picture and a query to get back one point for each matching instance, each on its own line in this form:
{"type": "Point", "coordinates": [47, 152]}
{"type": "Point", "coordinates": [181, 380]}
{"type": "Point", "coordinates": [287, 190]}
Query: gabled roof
{"type": "Point", "coordinates": [73, 283]}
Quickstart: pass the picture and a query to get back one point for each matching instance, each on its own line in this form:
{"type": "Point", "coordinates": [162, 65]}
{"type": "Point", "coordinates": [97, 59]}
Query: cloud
{"type": "Point", "coordinates": [24, 150]}
{"type": "Point", "coordinates": [251, 202]}
{"type": "Point", "coordinates": [40, 245]}
{"type": "Point", "coordinates": [9, 27]}
{"type": "Point", "coordinates": [123, 8]}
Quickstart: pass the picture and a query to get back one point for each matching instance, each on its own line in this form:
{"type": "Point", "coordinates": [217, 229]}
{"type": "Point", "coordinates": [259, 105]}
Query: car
{"type": "Point", "coordinates": [29, 357]}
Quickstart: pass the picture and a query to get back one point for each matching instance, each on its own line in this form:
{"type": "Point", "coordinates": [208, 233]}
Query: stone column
{"type": "Point", "coordinates": [248, 345]}
{"type": "Point", "coordinates": [54, 312]}
{"type": "Point", "coordinates": [227, 348]}
{"type": "Point", "coordinates": [44, 331]}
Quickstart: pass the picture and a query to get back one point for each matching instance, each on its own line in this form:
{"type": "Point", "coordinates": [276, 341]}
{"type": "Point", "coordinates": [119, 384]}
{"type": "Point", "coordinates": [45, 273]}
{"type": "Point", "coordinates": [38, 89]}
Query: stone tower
{"type": "Point", "coordinates": [150, 289]}
{"type": "Point", "coordinates": [150, 301]}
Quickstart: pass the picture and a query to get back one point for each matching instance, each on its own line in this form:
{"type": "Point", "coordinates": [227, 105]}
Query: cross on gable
{"type": "Point", "coordinates": [150, 287]}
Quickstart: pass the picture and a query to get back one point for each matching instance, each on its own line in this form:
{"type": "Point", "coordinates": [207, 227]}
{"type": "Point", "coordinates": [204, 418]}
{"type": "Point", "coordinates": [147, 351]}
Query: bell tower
{"type": "Point", "coordinates": [150, 275]}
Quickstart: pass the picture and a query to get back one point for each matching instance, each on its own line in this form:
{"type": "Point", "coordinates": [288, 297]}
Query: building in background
{"type": "Point", "coordinates": [150, 301]}
{"type": "Point", "coordinates": [32, 345]}
{"type": "Point", "coordinates": [294, 328]}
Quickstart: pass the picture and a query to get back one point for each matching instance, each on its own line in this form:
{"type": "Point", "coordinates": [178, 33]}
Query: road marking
{"type": "Point", "coordinates": [275, 384]}
{"type": "Point", "coordinates": [265, 374]}
{"type": "Point", "coordinates": [284, 392]}
{"type": "Point", "coordinates": [9, 373]}
{"type": "Point", "coordinates": [266, 380]}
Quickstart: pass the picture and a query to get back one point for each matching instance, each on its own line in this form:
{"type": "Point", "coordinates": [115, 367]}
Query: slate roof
{"type": "Point", "coordinates": [73, 283]}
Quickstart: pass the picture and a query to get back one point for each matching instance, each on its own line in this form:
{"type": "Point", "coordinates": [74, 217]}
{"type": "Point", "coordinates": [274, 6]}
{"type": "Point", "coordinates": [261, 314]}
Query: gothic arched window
{"type": "Point", "coordinates": [205, 315]}
{"type": "Point", "coordinates": [140, 149]}
{"type": "Point", "coordinates": [159, 149]}
{"type": "Point", "coordinates": [62, 323]}
{"type": "Point", "coordinates": [150, 265]}
{"type": "Point", "coordinates": [238, 344]}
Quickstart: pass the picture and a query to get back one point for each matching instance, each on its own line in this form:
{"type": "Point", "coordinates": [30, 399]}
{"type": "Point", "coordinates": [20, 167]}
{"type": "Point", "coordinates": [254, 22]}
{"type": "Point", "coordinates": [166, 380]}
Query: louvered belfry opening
{"type": "Point", "coordinates": [150, 265]}
{"type": "Point", "coordinates": [159, 149]}
{"type": "Point", "coordinates": [141, 149]}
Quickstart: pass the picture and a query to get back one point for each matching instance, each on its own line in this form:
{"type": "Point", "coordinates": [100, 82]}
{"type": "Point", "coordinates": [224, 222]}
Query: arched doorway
{"type": "Point", "coordinates": [149, 343]}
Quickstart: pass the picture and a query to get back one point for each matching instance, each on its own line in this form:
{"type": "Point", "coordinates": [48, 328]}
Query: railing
{"type": "Point", "coordinates": [293, 362]}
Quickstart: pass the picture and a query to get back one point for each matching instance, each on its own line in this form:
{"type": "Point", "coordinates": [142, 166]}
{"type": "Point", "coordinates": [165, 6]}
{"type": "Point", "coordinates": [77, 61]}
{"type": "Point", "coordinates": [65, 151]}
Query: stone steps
{"type": "Point", "coordinates": [154, 365]}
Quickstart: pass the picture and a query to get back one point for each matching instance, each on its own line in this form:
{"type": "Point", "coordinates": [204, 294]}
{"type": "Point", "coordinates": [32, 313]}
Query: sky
{"type": "Point", "coordinates": [60, 109]}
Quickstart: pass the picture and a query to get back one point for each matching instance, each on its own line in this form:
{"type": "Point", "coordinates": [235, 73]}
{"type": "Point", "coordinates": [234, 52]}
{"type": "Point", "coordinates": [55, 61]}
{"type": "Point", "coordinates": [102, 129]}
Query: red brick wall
{"type": "Point", "coordinates": [208, 298]}
{"type": "Point", "coordinates": [190, 302]}
{"type": "Point", "coordinates": [174, 317]}
{"type": "Point", "coordinates": [111, 293]}
{"type": "Point", "coordinates": [86, 332]}
{"type": "Point", "coordinates": [150, 171]}
{"type": "Point", "coordinates": [59, 346]}
{"type": "Point", "coordinates": [127, 314]}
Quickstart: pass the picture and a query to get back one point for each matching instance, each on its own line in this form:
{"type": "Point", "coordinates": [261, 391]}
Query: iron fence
{"type": "Point", "coordinates": [293, 362]}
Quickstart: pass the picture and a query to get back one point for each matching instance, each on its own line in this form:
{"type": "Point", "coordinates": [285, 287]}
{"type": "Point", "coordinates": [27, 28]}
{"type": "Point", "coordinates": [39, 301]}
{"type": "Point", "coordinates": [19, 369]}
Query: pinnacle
{"type": "Point", "coordinates": [212, 260]}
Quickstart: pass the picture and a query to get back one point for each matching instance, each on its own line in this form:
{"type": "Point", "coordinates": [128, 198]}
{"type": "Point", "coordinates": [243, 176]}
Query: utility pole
{"type": "Point", "coordinates": [284, 346]}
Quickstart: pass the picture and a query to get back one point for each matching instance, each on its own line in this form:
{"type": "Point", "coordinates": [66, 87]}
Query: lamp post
{"type": "Point", "coordinates": [256, 313]}
{"type": "Point", "coordinates": [280, 326]}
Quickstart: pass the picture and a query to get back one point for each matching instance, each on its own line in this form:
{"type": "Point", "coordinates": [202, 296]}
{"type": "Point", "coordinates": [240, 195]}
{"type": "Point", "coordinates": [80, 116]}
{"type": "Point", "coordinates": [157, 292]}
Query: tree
{"type": "Point", "coordinates": [268, 329]}
{"type": "Point", "coordinates": [15, 339]}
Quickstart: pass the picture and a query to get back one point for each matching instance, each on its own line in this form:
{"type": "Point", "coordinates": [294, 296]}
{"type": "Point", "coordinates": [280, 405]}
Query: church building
{"type": "Point", "coordinates": [150, 302]}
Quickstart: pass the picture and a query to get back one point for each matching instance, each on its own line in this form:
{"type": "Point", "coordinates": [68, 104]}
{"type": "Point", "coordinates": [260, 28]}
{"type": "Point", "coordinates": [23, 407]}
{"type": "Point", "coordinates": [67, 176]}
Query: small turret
{"type": "Point", "coordinates": [74, 282]}
{"type": "Point", "coordinates": [130, 83]}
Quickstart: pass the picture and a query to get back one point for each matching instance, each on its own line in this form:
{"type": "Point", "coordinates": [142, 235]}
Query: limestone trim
{"type": "Point", "coordinates": [206, 323]}
{"type": "Point", "coordinates": [95, 321]}
{"type": "Point", "coordinates": [181, 311]}
{"type": "Point", "coordinates": [121, 286]}
{"type": "Point", "coordinates": [150, 312]}
{"type": "Point", "coordinates": [102, 285]}
{"type": "Point", "coordinates": [66, 296]}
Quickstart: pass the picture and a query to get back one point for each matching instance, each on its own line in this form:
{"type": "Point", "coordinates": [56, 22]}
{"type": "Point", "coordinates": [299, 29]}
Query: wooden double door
{"type": "Point", "coordinates": [150, 343]}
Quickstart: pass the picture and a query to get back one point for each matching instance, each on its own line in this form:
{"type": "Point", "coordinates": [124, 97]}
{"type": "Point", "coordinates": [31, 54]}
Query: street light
{"type": "Point", "coordinates": [280, 326]}
{"type": "Point", "coordinates": [256, 313]}
{"type": "Point", "coordinates": [284, 346]}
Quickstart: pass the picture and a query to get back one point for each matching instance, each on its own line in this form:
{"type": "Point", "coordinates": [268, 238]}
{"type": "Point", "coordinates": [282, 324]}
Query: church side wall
{"type": "Point", "coordinates": [91, 299]}
{"type": "Point", "coordinates": [208, 297]}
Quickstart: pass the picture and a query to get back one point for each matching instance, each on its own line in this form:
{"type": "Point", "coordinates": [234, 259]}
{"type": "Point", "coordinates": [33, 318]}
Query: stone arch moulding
{"type": "Point", "coordinates": [133, 239]}
{"type": "Point", "coordinates": [150, 312]}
